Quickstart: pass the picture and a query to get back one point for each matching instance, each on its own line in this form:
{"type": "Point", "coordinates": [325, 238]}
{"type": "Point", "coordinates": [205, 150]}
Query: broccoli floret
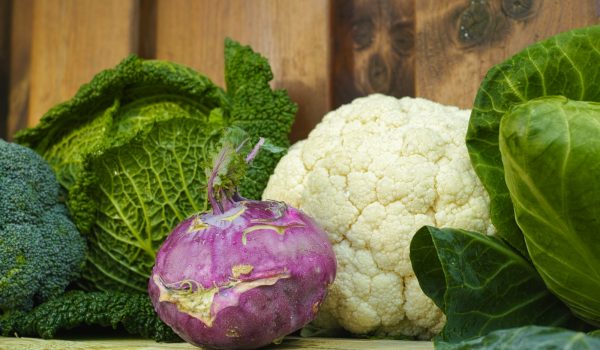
{"type": "Point", "coordinates": [41, 251]}
{"type": "Point", "coordinates": [133, 312]}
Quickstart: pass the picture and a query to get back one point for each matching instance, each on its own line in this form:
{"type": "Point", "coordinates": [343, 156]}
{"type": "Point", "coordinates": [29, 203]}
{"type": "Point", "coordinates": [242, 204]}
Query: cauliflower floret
{"type": "Point", "coordinates": [371, 174]}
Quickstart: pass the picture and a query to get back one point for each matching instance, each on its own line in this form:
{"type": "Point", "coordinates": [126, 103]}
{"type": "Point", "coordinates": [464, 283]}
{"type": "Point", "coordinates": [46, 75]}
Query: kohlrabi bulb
{"type": "Point", "coordinates": [243, 275]}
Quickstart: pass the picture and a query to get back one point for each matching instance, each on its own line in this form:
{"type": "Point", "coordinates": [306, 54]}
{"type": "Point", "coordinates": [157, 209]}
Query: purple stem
{"type": "Point", "coordinates": [226, 203]}
{"type": "Point", "coordinates": [216, 206]}
{"type": "Point", "coordinates": [250, 157]}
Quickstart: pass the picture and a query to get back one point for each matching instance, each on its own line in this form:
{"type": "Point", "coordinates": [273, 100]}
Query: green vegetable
{"type": "Point", "coordinates": [567, 65]}
{"type": "Point", "coordinates": [551, 154]}
{"type": "Point", "coordinates": [41, 251]}
{"type": "Point", "coordinates": [481, 284]}
{"type": "Point", "coordinates": [131, 312]}
{"type": "Point", "coordinates": [529, 337]}
{"type": "Point", "coordinates": [130, 147]}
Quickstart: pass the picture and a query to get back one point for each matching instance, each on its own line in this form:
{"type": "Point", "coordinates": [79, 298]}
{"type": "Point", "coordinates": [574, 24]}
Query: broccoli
{"type": "Point", "coordinates": [131, 312]}
{"type": "Point", "coordinates": [41, 251]}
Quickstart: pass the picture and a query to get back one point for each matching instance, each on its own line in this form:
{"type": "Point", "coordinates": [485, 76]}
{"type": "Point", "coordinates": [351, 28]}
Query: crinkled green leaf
{"type": "Point", "coordinates": [566, 64]}
{"type": "Point", "coordinates": [130, 148]}
{"type": "Point", "coordinates": [132, 312]}
{"type": "Point", "coordinates": [481, 284]}
{"type": "Point", "coordinates": [257, 109]}
{"type": "Point", "coordinates": [551, 154]}
{"type": "Point", "coordinates": [529, 337]}
{"type": "Point", "coordinates": [142, 190]}
{"type": "Point", "coordinates": [116, 105]}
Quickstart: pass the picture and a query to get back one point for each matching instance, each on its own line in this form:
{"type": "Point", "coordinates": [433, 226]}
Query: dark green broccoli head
{"type": "Point", "coordinates": [27, 184]}
{"type": "Point", "coordinates": [41, 251]}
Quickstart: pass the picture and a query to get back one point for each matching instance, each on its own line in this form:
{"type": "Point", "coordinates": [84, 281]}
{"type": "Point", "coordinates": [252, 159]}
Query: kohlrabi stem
{"type": "Point", "coordinates": [216, 206]}
{"type": "Point", "coordinates": [250, 157]}
{"type": "Point", "coordinates": [225, 198]}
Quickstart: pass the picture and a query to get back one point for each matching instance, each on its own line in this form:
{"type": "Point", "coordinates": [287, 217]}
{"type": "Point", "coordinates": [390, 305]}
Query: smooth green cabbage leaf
{"type": "Point", "coordinates": [481, 284]}
{"type": "Point", "coordinates": [131, 147]}
{"type": "Point", "coordinates": [551, 154]}
{"type": "Point", "coordinates": [566, 64]}
{"type": "Point", "coordinates": [529, 337]}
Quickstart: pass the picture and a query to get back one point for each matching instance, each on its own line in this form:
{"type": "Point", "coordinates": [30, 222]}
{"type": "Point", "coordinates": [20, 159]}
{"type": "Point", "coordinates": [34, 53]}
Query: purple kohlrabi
{"type": "Point", "coordinates": [243, 275]}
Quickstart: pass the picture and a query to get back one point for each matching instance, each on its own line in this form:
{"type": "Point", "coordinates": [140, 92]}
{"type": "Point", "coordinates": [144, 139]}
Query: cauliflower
{"type": "Point", "coordinates": [372, 173]}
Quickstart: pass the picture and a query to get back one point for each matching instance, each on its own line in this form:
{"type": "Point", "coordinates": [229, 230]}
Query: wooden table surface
{"type": "Point", "coordinates": [290, 343]}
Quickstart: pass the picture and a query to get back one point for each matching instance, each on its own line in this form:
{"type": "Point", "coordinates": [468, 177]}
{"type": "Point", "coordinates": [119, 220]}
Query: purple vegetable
{"type": "Point", "coordinates": [245, 274]}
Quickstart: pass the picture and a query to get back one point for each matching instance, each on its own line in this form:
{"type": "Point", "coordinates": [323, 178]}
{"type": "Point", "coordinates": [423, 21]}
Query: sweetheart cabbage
{"type": "Point", "coordinates": [130, 148]}
{"type": "Point", "coordinates": [567, 64]}
{"type": "Point", "coordinates": [481, 284]}
{"type": "Point", "coordinates": [551, 154]}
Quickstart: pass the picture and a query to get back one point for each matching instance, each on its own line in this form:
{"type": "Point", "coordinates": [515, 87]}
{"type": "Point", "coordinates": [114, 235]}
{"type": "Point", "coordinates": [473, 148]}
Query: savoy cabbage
{"type": "Point", "coordinates": [131, 145]}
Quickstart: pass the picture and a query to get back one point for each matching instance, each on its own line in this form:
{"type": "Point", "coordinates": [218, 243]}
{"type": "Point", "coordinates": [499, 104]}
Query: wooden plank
{"type": "Point", "coordinates": [291, 343]}
{"type": "Point", "coordinates": [72, 40]}
{"type": "Point", "coordinates": [373, 48]}
{"type": "Point", "coordinates": [293, 35]}
{"type": "Point", "coordinates": [458, 41]}
{"type": "Point", "coordinates": [20, 60]}
{"type": "Point", "coordinates": [5, 10]}
{"type": "Point", "coordinates": [147, 29]}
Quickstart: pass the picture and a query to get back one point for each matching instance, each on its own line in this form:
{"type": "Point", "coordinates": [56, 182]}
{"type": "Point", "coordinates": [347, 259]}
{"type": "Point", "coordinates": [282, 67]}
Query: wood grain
{"type": "Point", "coordinates": [147, 29]}
{"type": "Point", "coordinates": [72, 40]}
{"type": "Point", "coordinates": [291, 343]}
{"type": "Point", "coordinates": [373, 48]}
{"type": "Point", "coordinates": [5, 15]}
{"type": "Point", "coordinates": [293, 35]}
{"type": "Point", "coordinates": [20, 61]}
{"type": "Point", "coordinates": [458, 41]}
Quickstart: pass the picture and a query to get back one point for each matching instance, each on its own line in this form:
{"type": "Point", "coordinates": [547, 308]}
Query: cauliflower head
{"type": "Point", "coordinates": [371, 174]}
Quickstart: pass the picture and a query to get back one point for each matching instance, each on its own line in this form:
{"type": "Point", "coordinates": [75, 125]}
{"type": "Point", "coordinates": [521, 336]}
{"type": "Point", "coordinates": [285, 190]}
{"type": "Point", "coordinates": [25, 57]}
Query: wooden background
{"type": "Point", "coordinates": [324, 52]}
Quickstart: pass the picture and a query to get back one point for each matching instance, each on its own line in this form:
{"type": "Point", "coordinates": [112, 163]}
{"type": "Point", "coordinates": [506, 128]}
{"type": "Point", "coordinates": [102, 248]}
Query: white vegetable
{"type": "Point", "coordinates": [372, 173]}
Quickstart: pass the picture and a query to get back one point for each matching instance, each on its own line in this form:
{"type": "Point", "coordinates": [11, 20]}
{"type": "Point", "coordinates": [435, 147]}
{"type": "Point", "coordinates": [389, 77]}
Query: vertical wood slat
{"type": "Point", "coordinates": [458, 41]}
{"type": "Point", "coordinates": [5, 13]}
{"type": "Point", "coordinates": [147, 29]}
{"type": "Point", "coordinates": [72, 40]}
{"type": "Point", "coordinates": [20, 61]}
{"type": "Point", "coordinates": [373, 48]}
{"type": "Point", "coordinates": [293, 35]}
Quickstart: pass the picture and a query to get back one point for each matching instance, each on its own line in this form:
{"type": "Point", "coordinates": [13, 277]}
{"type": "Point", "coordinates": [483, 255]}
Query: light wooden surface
{"type": "Point", "coordinates": [71, 42]}
{"type": "Point", "coordinates": [293, 35]}
{"type": "Point", "coordinates": [20, 60]}
{"type": "Point", "coordinates": [136, 344]}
